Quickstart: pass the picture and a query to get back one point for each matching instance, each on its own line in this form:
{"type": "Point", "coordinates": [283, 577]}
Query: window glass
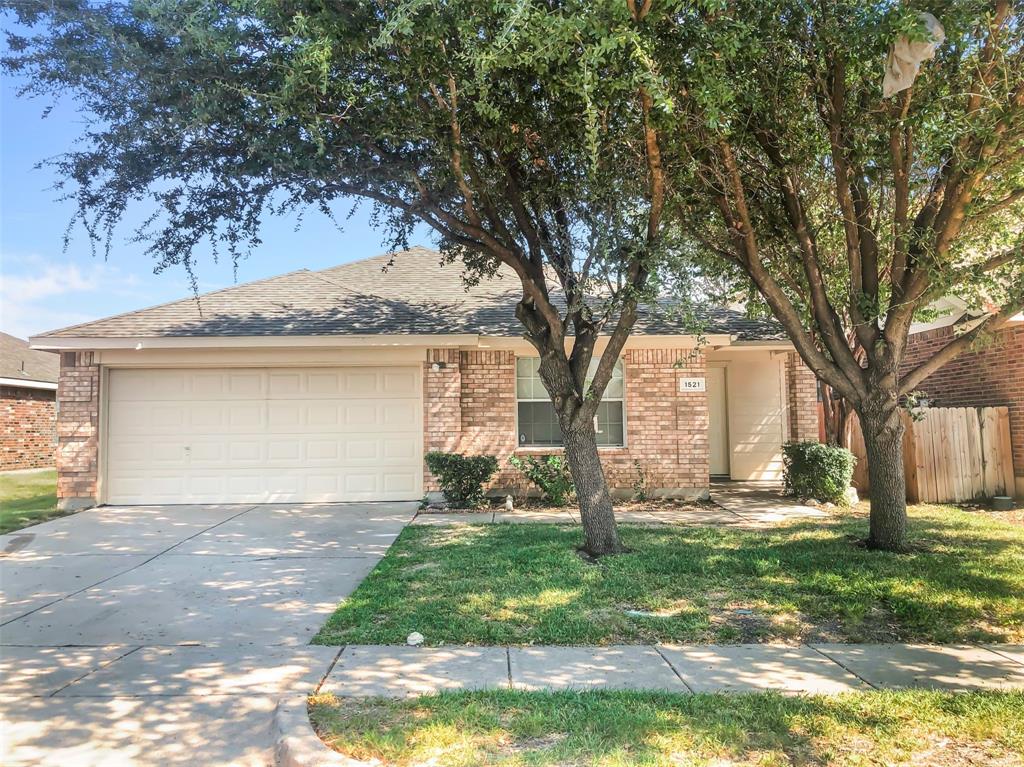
{"type": "Point", "coordinates": [538, 424]}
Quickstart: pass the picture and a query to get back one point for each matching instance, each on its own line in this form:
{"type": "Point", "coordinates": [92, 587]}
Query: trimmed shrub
{"type": "Point", "coordinates": [462, 477]}
{"type": "Point", "coordinates": [550, 473]}
{"type": "Point", "coordinates": [816, 470]}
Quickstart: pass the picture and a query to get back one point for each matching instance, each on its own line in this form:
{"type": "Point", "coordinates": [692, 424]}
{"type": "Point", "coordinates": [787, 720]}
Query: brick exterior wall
{"type": "Point", "coordinates": [78, 420]}
{"type": "Point", "coordinates": [991, 376]}
{"type": "Point", "coordinates": [802, 400]}
{"type": "Point", "coordinates": [470, 407]}
{"type": "Point", "coordinates": [28, 431]}
{"type": "Point", "coordinates": [442, 406]}
{"type": "Point", "coordinates": [489, 404]}
{"type": "Point", "coordinates": [666, 431]}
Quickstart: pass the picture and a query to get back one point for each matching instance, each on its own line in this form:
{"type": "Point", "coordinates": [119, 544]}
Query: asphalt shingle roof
{"type": "Point", "coordinates": [21, 363]}
{"type": "Point", "coordinates": [414, 295]}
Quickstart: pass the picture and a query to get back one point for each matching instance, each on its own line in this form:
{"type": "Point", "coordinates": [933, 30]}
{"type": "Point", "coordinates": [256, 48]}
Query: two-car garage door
{"type": "Point", "coordinates": [251, 435]}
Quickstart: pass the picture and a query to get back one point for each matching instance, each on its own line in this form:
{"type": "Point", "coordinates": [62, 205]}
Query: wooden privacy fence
{"type": "Point", "coordinates": [951, 454]}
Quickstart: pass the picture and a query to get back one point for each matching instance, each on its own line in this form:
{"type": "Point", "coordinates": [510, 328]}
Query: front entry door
{"type": "Point", "coordinates": [718, 428]}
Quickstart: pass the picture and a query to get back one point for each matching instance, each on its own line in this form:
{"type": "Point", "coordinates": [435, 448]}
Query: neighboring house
{"type": "Point", "coordinates": [331, 385]}
{"type": "Point", "coordinates": [991, 375]}
{"type": "Point", "coordinates": [28, 394]}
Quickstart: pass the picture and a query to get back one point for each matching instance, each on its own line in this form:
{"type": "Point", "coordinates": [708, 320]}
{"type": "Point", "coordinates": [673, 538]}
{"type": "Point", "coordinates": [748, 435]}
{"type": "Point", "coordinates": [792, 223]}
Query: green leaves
{"type": "Point", "coordinates": [217, 113]}
{"type": "Point", "coordinates": [462, 478]}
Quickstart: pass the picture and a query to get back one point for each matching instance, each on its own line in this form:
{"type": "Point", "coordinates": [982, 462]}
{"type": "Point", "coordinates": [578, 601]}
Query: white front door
{"type": "Point", "coordinates": [718, 427]}
{"type": "Point", "coordinates": [252, 435]}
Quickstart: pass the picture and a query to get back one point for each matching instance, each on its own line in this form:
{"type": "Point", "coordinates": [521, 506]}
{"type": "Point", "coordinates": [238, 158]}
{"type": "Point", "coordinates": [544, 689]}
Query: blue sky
{"type": "Point", "coordinates": [44, 287]}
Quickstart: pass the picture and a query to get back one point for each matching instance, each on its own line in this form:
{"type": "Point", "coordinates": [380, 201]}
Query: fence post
{"type": "Point", "coordinates": [910, 458]}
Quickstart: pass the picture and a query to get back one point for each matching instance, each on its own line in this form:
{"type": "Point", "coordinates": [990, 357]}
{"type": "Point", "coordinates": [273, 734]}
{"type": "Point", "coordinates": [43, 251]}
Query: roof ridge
{"type": "Point", "coordinates": [175, 301]}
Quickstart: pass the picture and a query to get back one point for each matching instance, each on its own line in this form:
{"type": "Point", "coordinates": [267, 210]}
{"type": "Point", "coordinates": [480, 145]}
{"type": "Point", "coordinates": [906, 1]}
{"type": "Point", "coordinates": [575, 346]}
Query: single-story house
{"type": "Point", "coordinates": [28, 395]}
{"type": "Point", "coordinates": [990, 375]}
{"type": "Point", "coordinates": [330, 385]}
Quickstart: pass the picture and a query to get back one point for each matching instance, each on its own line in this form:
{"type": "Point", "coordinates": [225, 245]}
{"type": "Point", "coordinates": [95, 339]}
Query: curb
{"type": "Point", "coordinates": [297, 745]}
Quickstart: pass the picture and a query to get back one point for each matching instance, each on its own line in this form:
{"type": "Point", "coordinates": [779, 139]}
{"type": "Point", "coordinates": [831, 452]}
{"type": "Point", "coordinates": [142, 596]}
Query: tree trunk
{"type": "Point", "coordinates": [883, 441]}
{"type": "Point", "coordinates": [592, 494]}
{"type": "Point", "coordinates": [837, 414]}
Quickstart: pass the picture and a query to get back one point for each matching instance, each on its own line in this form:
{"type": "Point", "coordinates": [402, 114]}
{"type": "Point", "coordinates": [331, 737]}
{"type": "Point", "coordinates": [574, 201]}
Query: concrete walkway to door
{"type": "Point", "coordinates": [760, 503]}
{"type": "Point", "coordinates": [166, 635]}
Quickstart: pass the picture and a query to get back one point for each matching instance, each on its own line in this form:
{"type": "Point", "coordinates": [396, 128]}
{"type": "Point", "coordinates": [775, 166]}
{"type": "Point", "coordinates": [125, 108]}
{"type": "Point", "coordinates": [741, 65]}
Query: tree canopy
{"type": "Point", "coordinates": [520, 132]}
{"type": "Point", "coordinates": [845, 211]}
{"type": "Point", "coordinates": [591, 147]}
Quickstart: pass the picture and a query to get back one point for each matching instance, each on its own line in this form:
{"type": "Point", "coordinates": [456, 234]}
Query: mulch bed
{"type": "Point", "coordinates": [536, 504]}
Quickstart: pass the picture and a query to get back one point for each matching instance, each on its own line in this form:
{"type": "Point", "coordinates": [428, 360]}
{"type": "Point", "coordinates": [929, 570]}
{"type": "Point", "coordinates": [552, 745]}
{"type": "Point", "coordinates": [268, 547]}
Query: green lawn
{"type": "Point", "coordinates": [519, 584]}
{"type": "Point", "coordinates": [27, 499]}
{"type": "Point", "coordinates": [616, 729]}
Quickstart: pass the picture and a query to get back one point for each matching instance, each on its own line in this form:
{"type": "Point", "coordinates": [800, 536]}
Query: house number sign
{"type": "Point", "coordinates": [692, 384]}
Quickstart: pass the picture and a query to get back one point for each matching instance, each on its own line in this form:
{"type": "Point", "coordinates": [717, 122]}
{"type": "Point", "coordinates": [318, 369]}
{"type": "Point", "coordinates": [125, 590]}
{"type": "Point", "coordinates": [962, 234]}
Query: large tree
{"type": "Point", "coordinates": [520, 132]}
{"type": "Point", "coordinates": [844, 211]}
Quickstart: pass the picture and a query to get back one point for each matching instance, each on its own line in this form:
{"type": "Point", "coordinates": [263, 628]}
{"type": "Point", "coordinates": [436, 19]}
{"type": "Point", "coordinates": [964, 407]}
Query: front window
{"type": "Point", "coordinates": [538, 424]}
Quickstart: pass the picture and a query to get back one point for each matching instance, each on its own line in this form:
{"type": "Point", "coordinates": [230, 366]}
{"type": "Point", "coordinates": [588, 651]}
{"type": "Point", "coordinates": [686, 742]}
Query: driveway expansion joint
{"type": "Point", "coordinates": [184, 623]}
{"type": "Point", "coordinates": [330, 668]}
{"type": "Point", "coordinates": [91, 671]}
{"type": "Point", "coordinates": [125, 571]}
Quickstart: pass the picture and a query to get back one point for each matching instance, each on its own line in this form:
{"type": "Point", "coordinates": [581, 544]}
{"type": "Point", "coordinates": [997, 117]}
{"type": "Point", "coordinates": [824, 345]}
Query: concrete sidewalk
{"type": "Point", "coordinates": [397, 671]}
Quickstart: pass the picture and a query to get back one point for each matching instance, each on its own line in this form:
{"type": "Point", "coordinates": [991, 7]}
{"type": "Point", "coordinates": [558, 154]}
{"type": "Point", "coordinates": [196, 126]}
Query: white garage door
{"type": "Point", "coordinates": [264, 435]}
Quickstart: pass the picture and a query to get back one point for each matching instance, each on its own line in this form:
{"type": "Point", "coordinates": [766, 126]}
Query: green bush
{"type": "Point", "coordinates": [550, 474]}
{"type": "Point", "coordinates": [816, 470]}
{"type": "Point", "coordinates": [462, 477]}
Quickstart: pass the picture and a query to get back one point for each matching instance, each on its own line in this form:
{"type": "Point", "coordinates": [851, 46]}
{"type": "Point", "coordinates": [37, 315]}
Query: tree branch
{"type": "Point", "coordinates": [741, 230]}
{"type": "Point", "coordinates": [901, 156]}
{"type": "Point", "coordinates": [654, 167]}
{"type": "Point", "coordinates": [829, 324]}
{"type": "Point", "coordinates": [999, 205]}
{"type": "Point", "coordinates": [913, 379]}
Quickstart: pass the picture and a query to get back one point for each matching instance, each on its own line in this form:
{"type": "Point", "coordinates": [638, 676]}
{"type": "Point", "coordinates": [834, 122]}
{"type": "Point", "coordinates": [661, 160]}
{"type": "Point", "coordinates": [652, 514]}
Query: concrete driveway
{"type": "Point", "coordinates": [165, 635]}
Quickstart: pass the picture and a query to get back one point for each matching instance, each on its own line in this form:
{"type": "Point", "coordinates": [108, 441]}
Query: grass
{"type": "Point", "coordinates": [27, 499]}
{"type": "Point", "coordinates": [627, 728]}
{"type": "Point", "coordinates": [521, 584]}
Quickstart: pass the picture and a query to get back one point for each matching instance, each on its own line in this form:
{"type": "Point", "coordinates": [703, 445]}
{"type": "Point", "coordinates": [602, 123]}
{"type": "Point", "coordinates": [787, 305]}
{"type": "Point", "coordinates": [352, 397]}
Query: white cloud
{"type": "Point", "coordinates": [39, 294]}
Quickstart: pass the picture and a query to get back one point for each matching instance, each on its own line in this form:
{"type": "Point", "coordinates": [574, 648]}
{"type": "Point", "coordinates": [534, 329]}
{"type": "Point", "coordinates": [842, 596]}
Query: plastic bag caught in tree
{"type": "Point", "coordinates": [906, 55]}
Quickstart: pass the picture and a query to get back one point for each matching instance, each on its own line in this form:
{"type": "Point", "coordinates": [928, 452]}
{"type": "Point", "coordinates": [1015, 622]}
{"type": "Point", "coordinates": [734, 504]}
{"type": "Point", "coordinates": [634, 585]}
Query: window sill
{"type": "Point", "coordinates": [541, 450]}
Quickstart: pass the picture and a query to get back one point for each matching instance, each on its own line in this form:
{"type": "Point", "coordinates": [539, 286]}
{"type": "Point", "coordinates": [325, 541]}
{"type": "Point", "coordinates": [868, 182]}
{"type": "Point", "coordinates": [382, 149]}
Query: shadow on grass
{"type": "Point", "coordinates": [659, 728]}
{"type": "Point", "coordinates": [520, 583]}
{"type": "Point", "coordinates": [27, 498]}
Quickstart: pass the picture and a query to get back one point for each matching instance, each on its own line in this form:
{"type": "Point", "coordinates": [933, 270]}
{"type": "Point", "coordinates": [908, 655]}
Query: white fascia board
{"type": "Point", "coordinates": [249, 342]}
{"type": "Point", "coordinates": [965, 324]}
{"type": "Point", "coordinates": [942, 322]}
{"type": "Point", "coordinates": [25, 384]}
